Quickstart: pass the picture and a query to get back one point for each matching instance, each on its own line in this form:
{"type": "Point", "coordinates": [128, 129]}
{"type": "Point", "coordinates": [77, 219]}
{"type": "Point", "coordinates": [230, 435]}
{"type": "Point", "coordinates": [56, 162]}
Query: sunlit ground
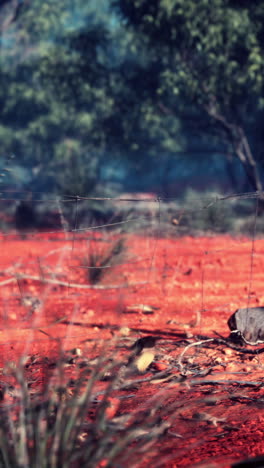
{"type": "Point", "coordinates": [176, 290]}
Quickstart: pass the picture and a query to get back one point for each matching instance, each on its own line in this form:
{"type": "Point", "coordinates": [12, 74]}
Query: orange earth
{"type": "Point", "coordinates": [180, 290]}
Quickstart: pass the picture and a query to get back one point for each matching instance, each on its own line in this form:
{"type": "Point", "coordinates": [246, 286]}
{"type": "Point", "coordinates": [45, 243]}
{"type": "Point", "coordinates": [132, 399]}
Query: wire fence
{"type": "Point", "coordinates": [79, 271]}
{"type": "Point", "coordinates": [110, 245]}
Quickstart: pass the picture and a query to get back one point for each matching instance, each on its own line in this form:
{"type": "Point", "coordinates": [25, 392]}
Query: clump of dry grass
{"type": "Point", "coordinates": [100, 258]}
{"type": "Point", "coordinates": [70, 423]}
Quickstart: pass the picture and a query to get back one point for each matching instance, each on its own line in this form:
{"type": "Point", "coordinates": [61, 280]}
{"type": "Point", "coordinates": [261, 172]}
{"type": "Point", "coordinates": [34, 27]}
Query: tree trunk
{"type": "Point", "coordinates": [242, 151]}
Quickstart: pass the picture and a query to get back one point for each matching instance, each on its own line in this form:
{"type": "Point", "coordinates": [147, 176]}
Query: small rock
{"type": "Point", "coordinates": [247, 325]}
{"type": "Point", "coordinates": [124, 331]}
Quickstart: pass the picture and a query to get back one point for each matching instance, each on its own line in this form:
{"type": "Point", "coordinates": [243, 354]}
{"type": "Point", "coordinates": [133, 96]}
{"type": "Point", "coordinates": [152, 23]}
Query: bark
{"type": "Point", "coordinates": [237, 137]}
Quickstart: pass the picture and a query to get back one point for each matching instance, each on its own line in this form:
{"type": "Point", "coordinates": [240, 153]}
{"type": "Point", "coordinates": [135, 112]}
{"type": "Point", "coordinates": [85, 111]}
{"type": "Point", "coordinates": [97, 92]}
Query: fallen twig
{"type": "Point", "coordinates": [238, 348]}
{"type": "Point", "coordinates": [227, 342]}
{"type": "Point", "coordinates": [243, 383]}
{"type": "Point", "coordinates": [71, 285]}
{"type": "Point", "coordinates": [197, 343]}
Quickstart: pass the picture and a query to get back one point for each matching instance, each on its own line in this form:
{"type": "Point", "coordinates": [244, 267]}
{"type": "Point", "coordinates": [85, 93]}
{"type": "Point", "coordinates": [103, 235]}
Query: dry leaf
{"type": "Point", "coordinates": [144, 360]}
{"type": "Point", "coordinates": [164, 379]}
{"type": "Point", "coordinates": [140, 308]}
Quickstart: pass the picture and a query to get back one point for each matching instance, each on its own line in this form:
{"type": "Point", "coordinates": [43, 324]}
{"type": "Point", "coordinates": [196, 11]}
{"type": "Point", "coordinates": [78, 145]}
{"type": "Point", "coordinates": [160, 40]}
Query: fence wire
{"type": "Point", "coordinates": [100, 238]}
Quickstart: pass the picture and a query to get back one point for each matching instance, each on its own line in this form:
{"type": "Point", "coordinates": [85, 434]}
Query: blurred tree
{"type": "Point", "coordinates": [77, 87]}
{"type": "Point", "coordinates": [139, 127]}
{"type": "Point", "coordinates": [209, 68]}
{"type": "Point", "coordinates": [54, 95]}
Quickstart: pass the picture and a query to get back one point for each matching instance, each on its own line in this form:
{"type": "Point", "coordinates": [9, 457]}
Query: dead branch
{"type": "Point", "coordinates": [197, 343]}
{"type": "Point", "coordinates": [68, 284]}
{"type": "Point", "coordinates": [237, 348]}
{"type": "Point", "coordinates": [243, 383]}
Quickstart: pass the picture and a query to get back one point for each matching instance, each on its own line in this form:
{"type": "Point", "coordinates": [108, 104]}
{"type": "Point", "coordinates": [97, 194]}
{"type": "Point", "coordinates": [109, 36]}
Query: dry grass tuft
{"type": "Point", "coordinates": [100, 258]}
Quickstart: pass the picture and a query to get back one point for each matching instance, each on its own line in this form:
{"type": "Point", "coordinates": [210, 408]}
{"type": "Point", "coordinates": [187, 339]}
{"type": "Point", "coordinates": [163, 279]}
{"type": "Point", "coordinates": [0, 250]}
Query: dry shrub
{"type": "Point", "coordinates": [101, 257]}
{"type": "Point", "coordinates": [76, 422]}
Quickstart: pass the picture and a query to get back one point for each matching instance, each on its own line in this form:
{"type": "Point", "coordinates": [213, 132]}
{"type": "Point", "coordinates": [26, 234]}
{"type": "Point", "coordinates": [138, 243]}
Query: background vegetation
{"type": "Point", "coordinates": [90, 87]}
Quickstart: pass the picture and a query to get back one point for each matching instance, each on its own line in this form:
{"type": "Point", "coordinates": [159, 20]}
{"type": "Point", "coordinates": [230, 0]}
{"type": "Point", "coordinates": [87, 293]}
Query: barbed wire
{"type": "Point", "coordinates": [154, 198]}
{"type": "Point", "coordinates": [180, 209]}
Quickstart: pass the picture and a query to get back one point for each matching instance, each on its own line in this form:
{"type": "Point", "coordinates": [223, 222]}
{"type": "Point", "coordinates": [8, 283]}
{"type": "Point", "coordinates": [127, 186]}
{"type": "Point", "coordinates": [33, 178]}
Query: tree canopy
{"type": "Point", "coordinates": [83, 82]}
{"type": "Point", "coordinates": [212, 66]}
{"type": "Point", "coordinates": [55, 95]}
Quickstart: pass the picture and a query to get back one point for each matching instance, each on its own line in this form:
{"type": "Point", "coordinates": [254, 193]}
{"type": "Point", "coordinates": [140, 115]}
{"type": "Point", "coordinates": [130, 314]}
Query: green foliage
{"type": "Point", "coordinates": [81, 82]}
{"type": "Point", "coordinates": [77, 87]}
{"type": "Point", "coordinates": [55, 97]}
{"type": "Point", "coordinates": [212, 65]}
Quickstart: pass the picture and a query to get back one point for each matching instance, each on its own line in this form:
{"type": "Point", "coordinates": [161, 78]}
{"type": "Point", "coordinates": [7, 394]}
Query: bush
{"type": "Point", "coordinates": [74, 422]}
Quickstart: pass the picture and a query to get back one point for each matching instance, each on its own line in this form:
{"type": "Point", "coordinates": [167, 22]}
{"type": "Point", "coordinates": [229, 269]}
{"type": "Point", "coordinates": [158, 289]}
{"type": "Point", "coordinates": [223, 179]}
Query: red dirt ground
{"type": "Point", "coordinates": [192, 286]}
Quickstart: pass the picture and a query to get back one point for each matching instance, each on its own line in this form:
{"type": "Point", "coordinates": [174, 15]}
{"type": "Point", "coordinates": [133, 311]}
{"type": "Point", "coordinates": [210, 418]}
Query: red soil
{"type": "Point", "coordinates": [193, 285]}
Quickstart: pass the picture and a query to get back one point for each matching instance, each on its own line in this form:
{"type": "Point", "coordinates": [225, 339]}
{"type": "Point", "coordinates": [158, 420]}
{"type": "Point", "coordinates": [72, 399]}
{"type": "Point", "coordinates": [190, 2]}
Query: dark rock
{"type": "Point", "coordinates": [257, 462]}
{"type": "Point", "coordinates": [247, 325]}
